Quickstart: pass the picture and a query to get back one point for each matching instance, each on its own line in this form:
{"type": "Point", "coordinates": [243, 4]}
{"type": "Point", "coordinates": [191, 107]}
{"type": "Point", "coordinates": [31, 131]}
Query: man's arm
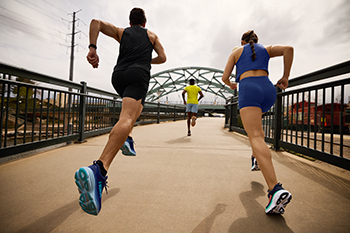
{"type": "Point", "coordinates": [183, 96]}
{"type": "Point", "coordinates": [200, 95]}
{"type": "Point", "coordinates": [158, 48]}
{"type": "Point", "coordinates": [108, 29]}
{"type": "Point", "coordinates": [97, 26]}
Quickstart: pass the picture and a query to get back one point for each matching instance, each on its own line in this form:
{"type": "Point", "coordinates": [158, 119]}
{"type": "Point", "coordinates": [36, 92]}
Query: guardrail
{"type": "Point", "coordinates": [310, 117]}
{"type": "Point", "coordinates": [39, 110]}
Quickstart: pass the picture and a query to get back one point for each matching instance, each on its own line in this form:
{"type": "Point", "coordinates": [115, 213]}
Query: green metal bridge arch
{"type": "Point", "coordinates": [175, 80]}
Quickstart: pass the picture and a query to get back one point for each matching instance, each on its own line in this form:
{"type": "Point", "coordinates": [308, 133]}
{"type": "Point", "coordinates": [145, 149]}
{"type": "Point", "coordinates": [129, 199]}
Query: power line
{"type": "Point", "coordinates": [55, 6]}
{"type": "Point", "coordinates": [41, 11]}
{"type": "Point", "coordinates": [29, 20]}
{"type": "Point", "coordinates": [27, 26]}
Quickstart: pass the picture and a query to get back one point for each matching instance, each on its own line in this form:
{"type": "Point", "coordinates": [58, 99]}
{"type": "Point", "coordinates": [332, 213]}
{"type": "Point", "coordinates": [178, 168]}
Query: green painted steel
{"type": "Point", "coordinates": [175, 80]}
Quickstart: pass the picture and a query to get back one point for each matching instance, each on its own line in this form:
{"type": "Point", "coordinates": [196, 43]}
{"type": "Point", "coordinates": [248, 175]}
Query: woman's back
{"type": "Point", "coordinates": [246, 63]}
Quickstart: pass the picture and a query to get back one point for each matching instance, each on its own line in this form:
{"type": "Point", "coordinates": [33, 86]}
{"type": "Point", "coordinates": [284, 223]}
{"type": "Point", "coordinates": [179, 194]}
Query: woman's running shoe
{"type": "Point", "coordinates": [255, 165]}
{"type": "Point", "coordinates": [278, 200]}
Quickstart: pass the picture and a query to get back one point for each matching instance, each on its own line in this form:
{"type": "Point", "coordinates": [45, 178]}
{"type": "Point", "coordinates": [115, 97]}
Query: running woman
{"type": "Point", "coordinates": [257, 95]}
{"type": "Point", "coordinates": [130, 79]}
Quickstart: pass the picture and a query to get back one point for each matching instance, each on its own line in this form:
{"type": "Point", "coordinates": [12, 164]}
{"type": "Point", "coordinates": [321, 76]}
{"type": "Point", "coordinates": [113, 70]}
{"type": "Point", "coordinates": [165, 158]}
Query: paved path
{"type": "Point", "coordinates": [176, 183]}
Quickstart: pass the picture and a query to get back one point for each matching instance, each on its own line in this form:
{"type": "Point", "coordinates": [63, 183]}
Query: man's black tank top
{"type": "Point", "coordinates": [135, 49]}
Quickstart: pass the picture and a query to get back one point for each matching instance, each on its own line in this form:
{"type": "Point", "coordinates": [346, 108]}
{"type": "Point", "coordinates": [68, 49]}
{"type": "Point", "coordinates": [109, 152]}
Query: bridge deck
{"type": "Point", "coordinates": [176, 183]}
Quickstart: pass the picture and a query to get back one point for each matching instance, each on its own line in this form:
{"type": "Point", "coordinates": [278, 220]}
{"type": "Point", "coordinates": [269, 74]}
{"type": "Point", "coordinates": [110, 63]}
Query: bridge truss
{"type": "Point", "coordinates": [175, 80]}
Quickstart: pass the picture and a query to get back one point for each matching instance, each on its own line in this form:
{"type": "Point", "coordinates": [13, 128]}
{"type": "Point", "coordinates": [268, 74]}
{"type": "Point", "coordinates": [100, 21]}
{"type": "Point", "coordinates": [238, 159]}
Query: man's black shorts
{"type": "Point", "coordinates": [132, 82]}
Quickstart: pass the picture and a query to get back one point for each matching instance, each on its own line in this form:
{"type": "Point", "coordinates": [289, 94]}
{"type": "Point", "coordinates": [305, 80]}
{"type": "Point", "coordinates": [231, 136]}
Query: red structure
{"type": "Point", "coordinates": [317, 119]}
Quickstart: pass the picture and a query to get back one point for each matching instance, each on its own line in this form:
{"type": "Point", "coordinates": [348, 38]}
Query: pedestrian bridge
{"type": "Point", "coordinates": [176, 183]}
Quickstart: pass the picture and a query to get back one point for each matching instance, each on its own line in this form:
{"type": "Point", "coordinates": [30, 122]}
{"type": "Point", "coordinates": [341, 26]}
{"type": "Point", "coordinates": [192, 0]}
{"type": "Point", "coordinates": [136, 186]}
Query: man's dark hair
{"type": "Point", "coordinates": [137, 16]}
{"type": "Point", "coordinates": [191, 81]}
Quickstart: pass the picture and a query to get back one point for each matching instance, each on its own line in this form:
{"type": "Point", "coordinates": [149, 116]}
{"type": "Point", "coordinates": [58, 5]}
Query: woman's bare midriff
{"type": "Point", "coordinates": [251, 73]}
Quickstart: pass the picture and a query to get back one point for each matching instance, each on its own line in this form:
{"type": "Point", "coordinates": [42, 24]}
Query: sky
{"type": "Point", "coordinates": [36, 34]}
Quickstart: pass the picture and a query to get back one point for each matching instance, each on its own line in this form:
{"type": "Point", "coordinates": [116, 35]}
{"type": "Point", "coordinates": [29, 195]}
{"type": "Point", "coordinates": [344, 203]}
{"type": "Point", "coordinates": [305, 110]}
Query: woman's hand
{"type": "Point", "coordinates": [282, 83]}
{"type": "Point", "coordinates": [233, 85]}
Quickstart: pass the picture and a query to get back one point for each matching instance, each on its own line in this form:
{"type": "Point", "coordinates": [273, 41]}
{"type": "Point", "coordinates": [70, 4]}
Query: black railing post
{"type": "Point", "coordinates": [175, 112]}
{"type": "Point", "coordinates": [227, 115]}
{"type": "Point", "coordinates": [233, 113]}
{"type": "Point", "coordinates": [158, 113]}
{"type": "Point", "coordinates": [278, 121]}
{"type": "Point", "coordinates": [114, 121]}
{"type": "Point", "coordinates": [82, 106]}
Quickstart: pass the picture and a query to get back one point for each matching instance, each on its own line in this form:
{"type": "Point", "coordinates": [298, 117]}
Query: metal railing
{"type": "Point", "coordinates": [39, 111]}
{"type": "Point", "coordinates": [310, 117]}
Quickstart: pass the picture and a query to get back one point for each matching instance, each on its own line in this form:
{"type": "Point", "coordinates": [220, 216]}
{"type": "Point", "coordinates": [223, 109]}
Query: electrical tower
{"type": "Point", "coordinates": [71, 67]}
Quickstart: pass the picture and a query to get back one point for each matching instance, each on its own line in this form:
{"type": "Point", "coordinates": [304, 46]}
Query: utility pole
{"type": "Point", "coordinates": [72, 50]}
{"type": "Point", "coordinates": [71, 67]}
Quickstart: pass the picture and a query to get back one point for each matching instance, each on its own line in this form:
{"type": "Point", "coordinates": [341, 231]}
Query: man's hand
{"type": "Point", "coordinates": [93, 58]}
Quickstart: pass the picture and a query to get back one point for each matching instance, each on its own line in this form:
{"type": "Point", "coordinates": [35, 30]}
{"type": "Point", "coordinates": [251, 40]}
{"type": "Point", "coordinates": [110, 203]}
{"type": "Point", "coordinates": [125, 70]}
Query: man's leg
{"type": "Point", "coordinates": [91, 180]}
{"type": "Point", "coordinates": [131, 110]}
{"type": "Point", "coordinates": [189, 114]}
{"type": "Point", "coordinates": [194, 119]}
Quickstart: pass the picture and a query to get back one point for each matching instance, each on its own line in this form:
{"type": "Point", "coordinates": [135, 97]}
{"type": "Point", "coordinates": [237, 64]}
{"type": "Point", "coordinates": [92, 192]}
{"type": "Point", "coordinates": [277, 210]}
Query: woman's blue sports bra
{"type": "Point", "coordinates": [246, 63]}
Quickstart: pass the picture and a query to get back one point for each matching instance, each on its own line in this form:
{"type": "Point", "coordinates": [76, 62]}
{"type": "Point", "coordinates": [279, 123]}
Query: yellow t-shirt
{"type": "Point", "coordinates": [192, 94]}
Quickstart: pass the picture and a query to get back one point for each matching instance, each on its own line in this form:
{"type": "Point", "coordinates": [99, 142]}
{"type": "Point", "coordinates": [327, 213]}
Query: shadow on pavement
{"type": "Point", "coordinates": [257, 220]}
{"type": "Point", "coordinates": [207, 223]}
{"type": "Point", "coordinates": [324, 178]}
{"type": "Point", "coordinates": [184, 139]}
{"type": "Point", "coordinates": [52, 220]}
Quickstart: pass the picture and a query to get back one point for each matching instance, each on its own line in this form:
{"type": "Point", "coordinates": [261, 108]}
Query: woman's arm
{"type": "Point", "coordinates": [287, 52]}
{"type": "Point", "coordinates": [228, 71]}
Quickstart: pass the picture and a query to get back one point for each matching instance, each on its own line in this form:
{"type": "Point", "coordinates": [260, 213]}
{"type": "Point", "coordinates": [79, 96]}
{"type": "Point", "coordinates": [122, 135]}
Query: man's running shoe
{"type": "Point", "coordinates": [255, 165]}
{"type": "Point", "coordinates": [189, 133]}
{"type": "Point", "coordinates": [128, 148]}
{"type": "Point", "coordinates": [278, 200]}
{"type": "Point", "coordinates": [193, 122]}
{"type": "Point", "coordinates": [90, 184]}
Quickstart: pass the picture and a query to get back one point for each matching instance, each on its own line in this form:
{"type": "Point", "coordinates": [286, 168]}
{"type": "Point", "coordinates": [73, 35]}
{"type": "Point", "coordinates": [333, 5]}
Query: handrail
{"type": "Point", "coordinates": [332, 71]}
{"type": "Point", "coordinates": [20, 72]}
{"type": "Point", "coordinates": [33, 116]}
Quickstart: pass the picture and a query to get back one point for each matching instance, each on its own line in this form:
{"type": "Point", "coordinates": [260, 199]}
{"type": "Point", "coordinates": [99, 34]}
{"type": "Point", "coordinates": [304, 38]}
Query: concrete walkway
{"type": "Point", "coordinates": [176, 183]}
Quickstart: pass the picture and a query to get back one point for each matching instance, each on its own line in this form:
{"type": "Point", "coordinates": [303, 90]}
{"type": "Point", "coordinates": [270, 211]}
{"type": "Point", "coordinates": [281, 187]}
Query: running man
{"type": "Point", "coordinates": [192, 103]}
{"type": "Point", "coordinates": [130, 79]}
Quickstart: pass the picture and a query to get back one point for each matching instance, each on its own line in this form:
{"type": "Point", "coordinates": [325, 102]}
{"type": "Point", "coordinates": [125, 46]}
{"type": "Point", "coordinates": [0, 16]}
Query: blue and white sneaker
{"type": "Point", "coordinates": [255, 165]}
{"type": "Point", "coordinates": [278, 200]}
{"type": "Point", "coordinates": [90, 184]}
{"type": "Point", "coordinates": [128, 148]}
